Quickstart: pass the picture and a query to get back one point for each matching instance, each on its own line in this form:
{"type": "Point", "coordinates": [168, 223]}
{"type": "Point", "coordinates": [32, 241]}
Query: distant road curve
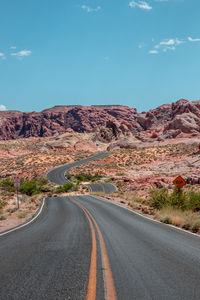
{"type": "Point", "coordinates": [57, 175]}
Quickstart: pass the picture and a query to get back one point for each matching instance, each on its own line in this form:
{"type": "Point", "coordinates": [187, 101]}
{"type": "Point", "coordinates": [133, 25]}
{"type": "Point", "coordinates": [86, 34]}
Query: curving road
{"type": "Point", "coordinates": [84, 247]}
{"type": "Point", "coordinates": [57, 175]}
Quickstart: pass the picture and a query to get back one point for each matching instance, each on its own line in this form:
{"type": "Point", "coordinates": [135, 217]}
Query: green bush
{"type": "Point", "coordinates": [41, 181]}
{"type": "Point", "coordinates": [64, 188]}
{"type": "Point", "coordinates": [30, 187]}
{"type": "Point", "coordinates": [34, 186]}
{"type": "Point", "coordinates": [22, 215]}
{"type": "Point", "coordinates": [185, 200]}
{"type": "Point", "coordinates": [88, 177]}
{"type": "Point", "coordinates": [69, 176]}
{"type": "Point", "coordinates": [2, 204]}
{"type": "Point", "coordinates": [3, 218]}
{"type": "Point", "coordinates": [7, 184]}
{"type": "Point", "coordinates": [178, 198]}
{"type": "Point", "coordinates": [159, 198]}
{"type": "Point", "coordinates": [194, 201]}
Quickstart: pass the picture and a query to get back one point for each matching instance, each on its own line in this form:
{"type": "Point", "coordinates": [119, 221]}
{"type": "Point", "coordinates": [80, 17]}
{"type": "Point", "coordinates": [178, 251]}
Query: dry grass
{"type": "Point", "coordinates": [185, 219]}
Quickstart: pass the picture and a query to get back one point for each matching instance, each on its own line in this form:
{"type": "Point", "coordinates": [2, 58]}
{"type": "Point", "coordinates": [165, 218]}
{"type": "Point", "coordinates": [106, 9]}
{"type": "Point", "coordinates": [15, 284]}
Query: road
{"type": "Point", "coordinates": [52, 257]}
{"type": "Point", "coordinates": [57, 175]}
{"type": "Point", "coordinates": [84, 247]}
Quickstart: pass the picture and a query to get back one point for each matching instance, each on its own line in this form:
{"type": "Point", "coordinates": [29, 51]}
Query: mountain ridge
{"type": "Point", "coordinates": [165, 121]}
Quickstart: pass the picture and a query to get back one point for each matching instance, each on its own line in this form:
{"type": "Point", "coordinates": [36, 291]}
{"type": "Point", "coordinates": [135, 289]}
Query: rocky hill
{"type": "Point", "coordinates": [107, 122]}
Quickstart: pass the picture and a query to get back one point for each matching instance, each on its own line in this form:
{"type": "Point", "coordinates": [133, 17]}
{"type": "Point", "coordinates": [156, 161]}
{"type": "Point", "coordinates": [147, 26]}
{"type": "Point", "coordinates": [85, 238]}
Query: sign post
{"type": "Point", "coordinates": [17, 185]}
{"type": "Point", "coordinates": [179, 182]}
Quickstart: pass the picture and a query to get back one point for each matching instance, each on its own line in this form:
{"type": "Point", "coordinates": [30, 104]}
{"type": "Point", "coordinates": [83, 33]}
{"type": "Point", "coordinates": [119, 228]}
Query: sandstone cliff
{"type": "Point", "coordinates": [108, 122]}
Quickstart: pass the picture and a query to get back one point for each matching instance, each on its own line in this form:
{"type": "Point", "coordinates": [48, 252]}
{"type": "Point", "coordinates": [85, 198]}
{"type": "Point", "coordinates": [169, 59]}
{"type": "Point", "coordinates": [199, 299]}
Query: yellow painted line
{"type": "Point", "coordinates": [110, 292]}
{"type": "Point", "coordinates": [92, 282]}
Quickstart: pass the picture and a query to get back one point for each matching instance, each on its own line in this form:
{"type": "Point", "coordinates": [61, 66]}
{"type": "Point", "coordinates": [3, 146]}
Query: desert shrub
{"type": "Point", "coordinates": [7, 184]}
{"type": "Point", "coordinates": [30, 187]}
{"type": "Point", "coordinates": [140, 200]}
{"type": "Point", "coordinates": [194, 201]}
{"type": "Point", "coordinates": [3, 218]}
{"type": "Point", "coordinates": [165, 220]}
{"type": "Point", "coordinates": [178, 198]}
{"type": "Point", "coordinates": [88, 177]}
{"type": "Point", "coordinates": [195, 227]}
{"type": "Point", "coordinates": [41, 181]}
{"type": "Point", "coordinates": [159, 198]}
{"type": "Point", "coordinates": [34, 186]}
{"type": "Point", "coordinates": [22, 215]}
{"type": "Point", "coordinates": [2, 204]}
{"type": "Point", "coordinates": [69, 176]}
{"type": "Point", "coordinates": [64, 188]}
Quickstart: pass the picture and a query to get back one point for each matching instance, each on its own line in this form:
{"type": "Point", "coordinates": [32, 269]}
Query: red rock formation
{"type": "Point", "coordinates": [15, 124]}
{"type": "Point", "coordinates": [166, 121]}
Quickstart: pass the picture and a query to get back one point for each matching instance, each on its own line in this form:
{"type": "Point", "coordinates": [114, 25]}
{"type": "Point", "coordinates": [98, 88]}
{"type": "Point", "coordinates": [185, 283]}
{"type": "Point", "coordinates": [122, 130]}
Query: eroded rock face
{"type": "Point", "coordinates": [112, 130]}
{"type": "Point", "coordinates": [109, 123]}
{"type": "Point", "coordinates": [15, 124]}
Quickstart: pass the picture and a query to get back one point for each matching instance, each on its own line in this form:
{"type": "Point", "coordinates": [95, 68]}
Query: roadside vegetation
{"type": "Point", "coordinates": [184, 200]}
{"type": "Point", "coordinates": [30, 194]}
{"type": "Point", "coordinates": [169, 206]}
{"type": "Point", "coordinates": [84, 177]}
{"type": "Point", "coordinates": [179, 208]}
{"type": "Point", "coordinates": [65, 188]}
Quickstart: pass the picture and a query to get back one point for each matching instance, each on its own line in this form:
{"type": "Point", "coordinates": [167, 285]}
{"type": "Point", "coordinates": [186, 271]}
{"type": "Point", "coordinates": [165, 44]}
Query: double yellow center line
{"type": "Point", "coordinates": [110, 293]}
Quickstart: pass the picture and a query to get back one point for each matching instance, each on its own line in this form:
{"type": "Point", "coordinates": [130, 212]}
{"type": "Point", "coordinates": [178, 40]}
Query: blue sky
{"type": "Point", "coordinates": [136, 53]}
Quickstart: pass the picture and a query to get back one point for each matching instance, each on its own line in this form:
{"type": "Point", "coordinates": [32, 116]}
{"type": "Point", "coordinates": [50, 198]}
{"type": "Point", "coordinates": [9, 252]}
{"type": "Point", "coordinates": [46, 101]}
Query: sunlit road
{"type": "Point", "coordinates": [57, 175]}
{"type": "Point", "coordinates": [84, 247]}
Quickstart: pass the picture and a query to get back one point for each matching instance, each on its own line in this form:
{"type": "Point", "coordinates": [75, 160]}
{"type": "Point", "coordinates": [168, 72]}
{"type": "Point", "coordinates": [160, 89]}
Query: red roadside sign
{"type": "Point", "coordinates": [179, 182]}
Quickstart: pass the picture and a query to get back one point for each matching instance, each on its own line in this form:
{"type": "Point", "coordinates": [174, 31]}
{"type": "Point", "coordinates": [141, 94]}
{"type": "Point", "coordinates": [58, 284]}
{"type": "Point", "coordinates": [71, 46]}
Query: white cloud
{"type": "Point", "coordinates": [140, 4]}
{"type": "Point", "coordinates": [2, 107]}
{"type": "Point", "coordinates": [2, 55]}
{"type": "Point", "coordinates": [169, 44]}
{"type": "Point", "coordinates": [193, 40]}
{"type": "Point", "coordinates": [153, 52]}
{"type": "Point", "coordinates": [90, 9]}
{"type": "Point", "coordinates": [22, 53]}
{"type": "Point", "coordinates": [13, 47]}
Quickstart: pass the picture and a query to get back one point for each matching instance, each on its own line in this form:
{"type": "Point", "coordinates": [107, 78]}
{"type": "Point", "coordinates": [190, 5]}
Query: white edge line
{"type": "Point", "coordinates": [152, 220]}
{"type": "Point", "coordinates": [25, 224]}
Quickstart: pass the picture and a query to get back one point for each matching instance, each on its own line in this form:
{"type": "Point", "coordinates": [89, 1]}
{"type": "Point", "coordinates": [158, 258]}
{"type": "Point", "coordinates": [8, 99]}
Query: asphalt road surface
{"type": "Point", "coordinates": [57, 175]}
{"type": "Point", "coordinates": [86, 248]}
